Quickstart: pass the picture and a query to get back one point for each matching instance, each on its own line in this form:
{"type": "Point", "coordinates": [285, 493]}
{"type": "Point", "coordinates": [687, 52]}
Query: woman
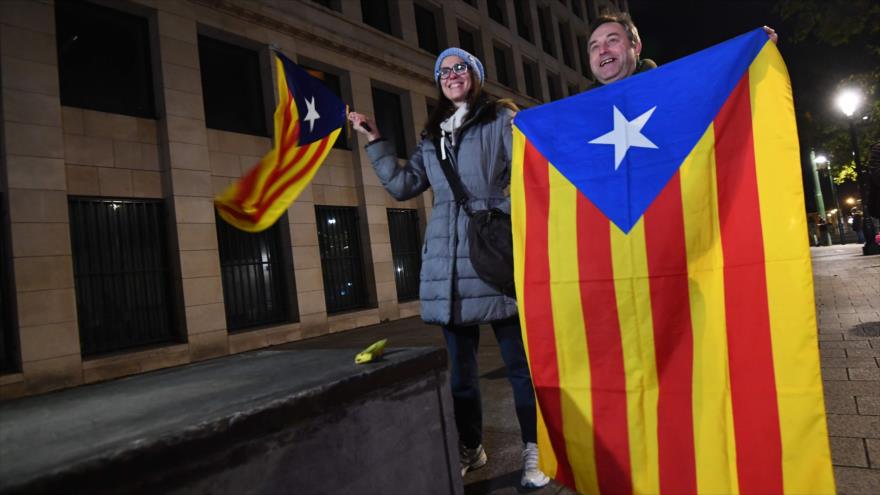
{"type": "Point", "coordinates": [475, 134]}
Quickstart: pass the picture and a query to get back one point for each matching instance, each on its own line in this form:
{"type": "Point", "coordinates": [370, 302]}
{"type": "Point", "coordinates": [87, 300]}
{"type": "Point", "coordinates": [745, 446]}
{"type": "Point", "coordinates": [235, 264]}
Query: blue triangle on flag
{"type": "Point", "coordinates": [313, 99]}
{"type": "Point", "coordinates": [669, 107]}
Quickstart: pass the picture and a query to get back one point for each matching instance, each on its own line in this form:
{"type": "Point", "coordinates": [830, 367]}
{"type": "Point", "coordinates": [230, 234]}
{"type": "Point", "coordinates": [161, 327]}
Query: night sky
{"type": "Point", "coordinates": [671, 29]}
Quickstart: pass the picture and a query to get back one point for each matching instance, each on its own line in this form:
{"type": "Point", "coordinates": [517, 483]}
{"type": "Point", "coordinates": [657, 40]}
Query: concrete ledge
{"type": "Point", "coordinates": [308, 421]}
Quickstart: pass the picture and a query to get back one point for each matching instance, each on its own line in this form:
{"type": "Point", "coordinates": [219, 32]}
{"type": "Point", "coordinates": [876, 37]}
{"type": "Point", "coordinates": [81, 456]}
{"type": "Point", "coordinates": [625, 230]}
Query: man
{"type": "Point", "coordinates": [614, 48]}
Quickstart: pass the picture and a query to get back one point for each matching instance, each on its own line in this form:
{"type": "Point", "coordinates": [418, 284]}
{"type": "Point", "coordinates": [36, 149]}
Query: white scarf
{"type": "Point", "coordinates": [450, 126]}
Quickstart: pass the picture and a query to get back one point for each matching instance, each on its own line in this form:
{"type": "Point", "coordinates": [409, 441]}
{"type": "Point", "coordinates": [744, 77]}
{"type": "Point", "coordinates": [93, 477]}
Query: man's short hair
{"type": "Point", "coordinates": [621, 18]}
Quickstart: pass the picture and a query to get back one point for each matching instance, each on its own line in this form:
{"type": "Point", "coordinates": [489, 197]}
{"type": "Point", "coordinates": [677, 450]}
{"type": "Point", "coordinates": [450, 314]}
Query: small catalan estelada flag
{"type": "Point", "coordinates": [308, 119]}
{"type": "Point", "coordinates": [664, 281]}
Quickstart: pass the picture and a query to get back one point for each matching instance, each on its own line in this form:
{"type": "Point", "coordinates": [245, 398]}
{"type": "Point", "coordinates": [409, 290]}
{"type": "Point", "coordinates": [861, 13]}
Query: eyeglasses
{"type": "Point", "coordinates": [445, 72]}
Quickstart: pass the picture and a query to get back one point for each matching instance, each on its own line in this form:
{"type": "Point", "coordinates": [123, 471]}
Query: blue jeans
{"type": "Point", "coordinates": [462, 342]}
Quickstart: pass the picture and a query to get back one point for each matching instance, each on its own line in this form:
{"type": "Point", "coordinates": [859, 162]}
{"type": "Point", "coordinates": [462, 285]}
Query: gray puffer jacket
{"type": "Point", "coordinates": [450, 290]}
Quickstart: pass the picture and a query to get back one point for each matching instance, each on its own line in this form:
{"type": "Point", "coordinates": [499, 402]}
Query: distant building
{"type": "Point", "coordinates": [121, 119]}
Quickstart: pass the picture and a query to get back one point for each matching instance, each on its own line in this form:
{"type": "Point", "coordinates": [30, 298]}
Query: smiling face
{"type": "Point", "coordinates": [457, 86]}
{"type": "Point", "coordinates": [612, 55]}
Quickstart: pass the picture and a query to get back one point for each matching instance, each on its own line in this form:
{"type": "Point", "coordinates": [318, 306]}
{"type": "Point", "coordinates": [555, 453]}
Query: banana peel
{"type": "Point", "coordinates": [371, 353]}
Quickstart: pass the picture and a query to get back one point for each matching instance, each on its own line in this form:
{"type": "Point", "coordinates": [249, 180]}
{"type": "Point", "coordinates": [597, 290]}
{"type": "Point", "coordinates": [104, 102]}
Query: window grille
{"type": "Point", "coordinates": [341, 261]}
{"type": "Point", "coordinates": [121, 274]}
{"type": "Point", "coordinates": [403, 225]}
{"type": "Point", "coordinates": [8, 354]}
{"type": "Point", "coordinates": [256, 275]}
{"type": "Point", "coordinates": [103, 59]}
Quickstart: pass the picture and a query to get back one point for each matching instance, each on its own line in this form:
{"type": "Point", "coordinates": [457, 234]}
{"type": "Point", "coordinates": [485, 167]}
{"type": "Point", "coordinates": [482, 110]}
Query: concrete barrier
{"type": "Point", "coordinates": [273, 421]}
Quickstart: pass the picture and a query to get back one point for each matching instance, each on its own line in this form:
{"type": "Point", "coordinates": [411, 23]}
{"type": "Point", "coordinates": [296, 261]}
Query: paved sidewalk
{"type": "Point", "coordinates": [848, 302]}
{"type": "Point", "coordinates": [848, 310]}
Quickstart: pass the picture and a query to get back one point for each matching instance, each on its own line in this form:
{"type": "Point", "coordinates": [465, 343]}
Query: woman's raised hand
{"type": "Point", "coordinates": [364, 125]}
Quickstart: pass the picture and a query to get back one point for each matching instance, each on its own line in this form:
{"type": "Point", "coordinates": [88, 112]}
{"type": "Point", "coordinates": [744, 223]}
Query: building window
{"type": "Point", "coordinates": [523, 20]}
{"type": "Point", "coordinates": [584, 56]}
{"type": "Point", "coordinates": [256, 272]}
{"type": "Point", "coordinates": [565, 43]}
{"type": "Point", "coordinates": [341, 262]}
{"type": "Point", "coordinates": [553, 85]}
{"type": "Point", "coordinates": [104, 59]}
{"type": "Point", "coordinates": [502, 66]}
{"type": "Point", "coordinates": [472, 3]}
{"type": "Point", "coordinates": [577, 8]}
{"type": "Point", "coordinates": [403, 226]}
{"type": "Point", "coordinates": [377, 13]}
{"type": "Point", "coordinates": [330, 4]}
{"type": "Point", "coordinates": [530, 74]}
{"type": "Point", "coordinates": [389, 118]}
{"type": "Point", "coordinates": [232, 87]}
{"type": "Point", "coordinates": [426, 26]}
{"type": "Point", "coordinates": [469, 40]}
{"type": "Point", "coordinates": [496, 11]}
{"type": "Point", "coordinates": [121, 273]}
{"type": "Point", "coordinates": [546, 26]}
{"type": "Point", "coordinates": [333, 82]}
{"type": "Point", "coordinates": [8, 348]}
{"type": "Point", "coordinates": [573, 89]}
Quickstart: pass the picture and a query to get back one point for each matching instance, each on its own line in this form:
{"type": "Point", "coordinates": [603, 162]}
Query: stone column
{"type": "Point", "coordinates": [36, 182]}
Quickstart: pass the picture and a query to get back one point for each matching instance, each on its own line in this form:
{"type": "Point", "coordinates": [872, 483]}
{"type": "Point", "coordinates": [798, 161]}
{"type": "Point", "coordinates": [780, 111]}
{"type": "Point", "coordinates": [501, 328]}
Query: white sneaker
{"type": "Point", "coordinates": [532, 477]}
{"type": "Point", "coordinates": [472, 458]}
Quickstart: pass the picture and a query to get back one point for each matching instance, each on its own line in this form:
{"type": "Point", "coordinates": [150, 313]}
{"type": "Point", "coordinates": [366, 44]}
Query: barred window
{"type": "Point", "coordinates": [256, 272]}
{"type": "Point", "coordinates": [8, 354]}
{"type": "Point", "coordinates": [403, 225]}
{"type": "Point", "coordinates": [121, 273]}
{"type": "Point", "coordinates": [342, 265]}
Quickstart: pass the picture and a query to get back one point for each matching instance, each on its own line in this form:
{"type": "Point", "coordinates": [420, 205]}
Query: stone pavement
{"type": "Point", "coordinates": [848, 311]}
{"type": "Point", "coordinates": [848, 303]}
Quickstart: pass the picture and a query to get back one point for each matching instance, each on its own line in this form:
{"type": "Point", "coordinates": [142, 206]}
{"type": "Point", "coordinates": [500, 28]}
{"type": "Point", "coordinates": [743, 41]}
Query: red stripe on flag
{"type": "Point", "coordinates": [602, 327]}
{"type": "Point", "coordinates": [536, 300]}
{"type": "Point", "coordinates": [752, 381]}
{"type": "Point", "coordinates": [313, 161]}
{"type": "Point", "coordinates": [673, 339]}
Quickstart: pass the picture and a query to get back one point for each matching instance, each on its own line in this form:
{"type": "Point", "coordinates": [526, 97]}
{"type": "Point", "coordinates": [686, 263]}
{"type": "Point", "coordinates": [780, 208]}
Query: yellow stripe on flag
{"type": "Point", "coordinates": [806, 459]}
{"type": "Point", "coordinates": [633, 294]}
{"type": "Point", "coordinates": [714, 437]}
{"type": "Point", "coordinates": [571, 341]}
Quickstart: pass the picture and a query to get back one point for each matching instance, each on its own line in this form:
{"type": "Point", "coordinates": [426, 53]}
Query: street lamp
{"type": "Point", "coordinates": [848, 101]}
{"type": "Point", "coordinates": [823, 163]}
{"type": "Point", "coordinates": [822, 234]}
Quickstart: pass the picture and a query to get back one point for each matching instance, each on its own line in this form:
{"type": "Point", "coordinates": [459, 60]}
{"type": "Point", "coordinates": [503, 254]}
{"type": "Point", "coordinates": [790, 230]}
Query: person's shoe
{"type": "Point", "coordinates": [532, 477]}
{"type": "Point", "coordinates": [471, 459]}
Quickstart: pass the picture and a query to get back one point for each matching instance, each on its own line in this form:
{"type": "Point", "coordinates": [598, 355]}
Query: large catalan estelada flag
{"type": "Point", "coordinates": [665, 284]}
{"type": "Point", "coordinates": [308, 119]}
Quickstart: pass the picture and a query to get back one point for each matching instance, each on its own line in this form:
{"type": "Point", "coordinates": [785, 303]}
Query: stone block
{"type": "Point", "coordinates": [150, 157]}
{"type": "Point", "coordinates": [184, 104]}
{"type": "Point", "coordinates": [189, 156]}
{"type": "Point", "coordinates": [72, 120]}
{"type": "Point", "coordinates": [52, 374]}
{"type": "Point", "coordinates": [870, 374]}
{"type": "Point", "coordinates": [847, 425]}
{"type": "Point", "coordinates": [182, 78]}
{"type": "Point", "coordinates": [205, 318]}
{"type": "Point", "coordinates": [851, 388]}
{"type": "Point", "coordinates": [219, 185]}
{"type": "Point", "coordinates": [309, 279]}
{"type": "Point", "coordinates": [82, 181]}
{"type": "Point", "coordinates": [40, 239]}
{"type": "Point", "coordinates": [115, 182]}
{"type": "Point", "coordinates": [306, 258]}
{"type": "Point", "coordinates": [34, 140]}
{"type": "Point", "coordinates": [202, 290]}
{"type": "Point", "coordinates": [848, 362]}
{"type": "Point", "coordinates": [303, 234]}
{"type": "Point", "coordinates": [111, 370]}
{"type": "Point", "coordinates": [191, 209]}
{"type": "Point", "coordinates": [28, 14]}
{"type": "Point", "coordinates": [208, 345]}
{"type": "Point", "coordinates": [177, 27]}
{"type": "Point", "coordinates": [88, 150]}
{"type": "Point", "coordinates": [127, 154]}
{"type": "Point", "coordinates": [146, 184]}
{"type": "Point", "coordinates": [186, 130]}
{"type": "Point", "coordinates": [49, 341]}
{"type": "Point", "coordinates": [43, 307]}
{"type": "Point", "coordinates": [311, 302]}
{"type": "Point", "coordinates": [865, 352]}
{"type": "Point", "coordinates": [848, 452]}
{"type": "Point", "coordinates": [28, 44]}
{"type": "Point", "coordinates": [852, 480]}
{"type": "Point", "coordinates": [191, 183]}
{"type": "Point", "coordinates": [31, 108]}
{"type": "Point", "coordinates": [28, 76]}
{"type": "Point", "coordinates": [225, 164]}
{"type": "Point", "coordinates": [868, 405]}
{"type": "Point", "coordinates": [382, 252]}
{"type": "Point", "coordinates": [110, 125]}
{"type": "Point", "coordinates": [37, 205]}
{"type": "Point", "coordinates": [199, 264]}
{"type": "Point", "coordinates": [179, 52]}
{"type": "Point", "coordinates": [873, 447]}
{"type": "Point", "coordinates": [147, 131]}
{"type": "Point", "coordinates": [36, 273]}
{"type": "Point", "coordinates": [195, 236]}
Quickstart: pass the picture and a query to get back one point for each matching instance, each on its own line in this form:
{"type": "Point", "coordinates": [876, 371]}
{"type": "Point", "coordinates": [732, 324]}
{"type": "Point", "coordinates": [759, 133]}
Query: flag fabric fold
{"type": "Point", "coordinates": [308, 120]}
{"type": "Point", "coordinates": [665, 284]}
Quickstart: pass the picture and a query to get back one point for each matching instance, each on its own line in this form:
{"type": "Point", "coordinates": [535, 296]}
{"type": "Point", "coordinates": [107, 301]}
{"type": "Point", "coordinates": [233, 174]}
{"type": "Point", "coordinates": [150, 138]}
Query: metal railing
{"type": "Point", "coordinates": [121, 273]}
{"type": "Point", "coordinates": [403, 226]}
{"type": "Point", "coordinates": [254, 275]}
{"type": "Point", "coordinates": [341, 262]}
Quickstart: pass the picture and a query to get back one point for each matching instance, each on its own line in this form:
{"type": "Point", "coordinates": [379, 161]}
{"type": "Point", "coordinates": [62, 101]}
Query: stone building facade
{"type": "Point", "coordinates": [108, 229]}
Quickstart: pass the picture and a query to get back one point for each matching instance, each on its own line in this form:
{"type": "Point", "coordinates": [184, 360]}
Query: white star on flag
{"type": "Point", "coordinates": [311, 114]}
{"type": "Point", "coordinates": [626, 134]}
